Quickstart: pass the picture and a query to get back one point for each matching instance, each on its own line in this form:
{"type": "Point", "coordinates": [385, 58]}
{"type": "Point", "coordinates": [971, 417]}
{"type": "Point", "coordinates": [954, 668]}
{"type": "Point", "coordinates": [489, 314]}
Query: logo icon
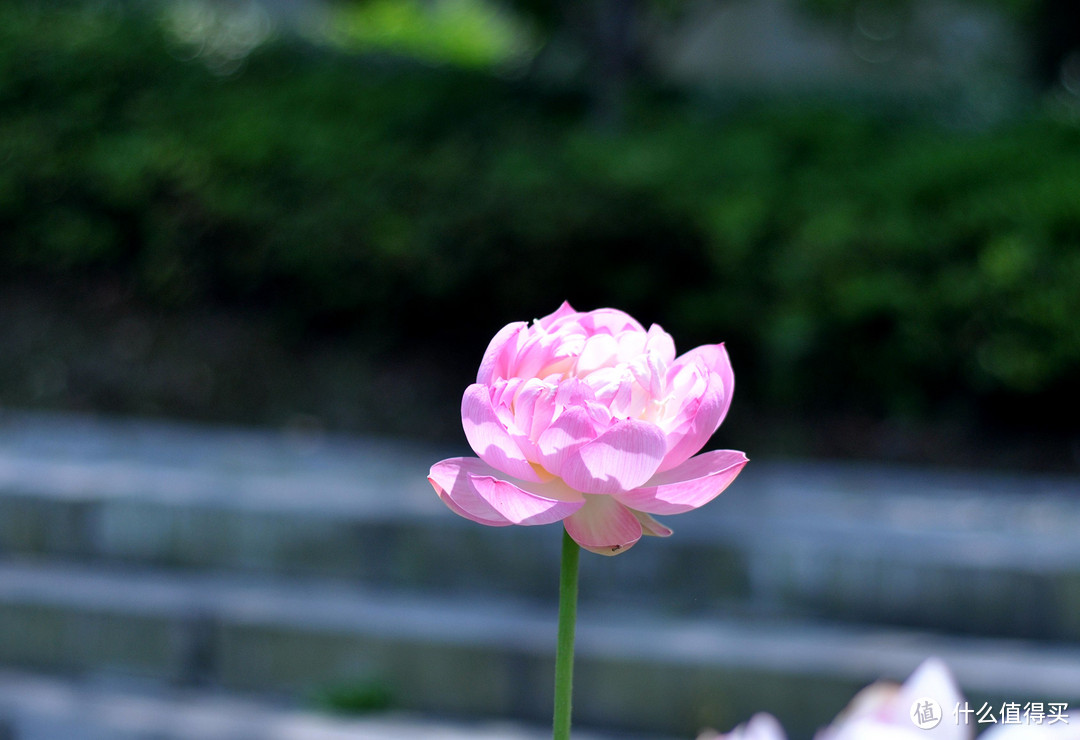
{"type": "Point", "coordinates": [925, 713]}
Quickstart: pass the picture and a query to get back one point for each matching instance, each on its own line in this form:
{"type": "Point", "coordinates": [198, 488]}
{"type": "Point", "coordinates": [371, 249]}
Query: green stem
{"type": "Point", "coordinates": [564, 650]}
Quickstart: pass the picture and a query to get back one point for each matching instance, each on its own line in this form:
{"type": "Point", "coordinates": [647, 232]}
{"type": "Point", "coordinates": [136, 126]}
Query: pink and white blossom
{"type": "Point", "coordinates": [760, 727]}
{"type": "Point", "coordinates": [883, 711]}
{"type": "Point", "coordinates": [590, 419]}
{"type": "Point", "coordinates": [886, 711]}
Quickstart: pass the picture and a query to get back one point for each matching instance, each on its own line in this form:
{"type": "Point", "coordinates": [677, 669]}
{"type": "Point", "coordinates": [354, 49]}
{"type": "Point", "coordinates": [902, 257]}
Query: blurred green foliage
{"type": "Point", "coordinates": [851, 259]}
{"type": "Point", "coordinates": [465, 33]}
{"type": "Point", "coordinates": [361, 696]}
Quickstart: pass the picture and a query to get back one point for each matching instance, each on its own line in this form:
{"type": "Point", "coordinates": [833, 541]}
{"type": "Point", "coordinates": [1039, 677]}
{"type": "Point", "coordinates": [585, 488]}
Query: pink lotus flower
{"type": "Point", "coordinates": [589, 419]}
{"type": "Point", "coordinates": [760, 727]}
{"type": "Point", "coordinates": [883, 711]}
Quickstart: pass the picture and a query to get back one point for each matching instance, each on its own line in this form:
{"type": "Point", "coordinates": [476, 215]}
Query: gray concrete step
{"type": "Point", "coordinates": [474, 657]}
{"type": "Point", "coordinates": [975, 553]}
{"type": "Point", "coordinates": [40, 707]}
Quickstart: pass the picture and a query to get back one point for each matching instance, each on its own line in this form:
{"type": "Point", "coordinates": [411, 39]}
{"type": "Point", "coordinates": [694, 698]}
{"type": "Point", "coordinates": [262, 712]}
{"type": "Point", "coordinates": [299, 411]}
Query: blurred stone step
{"type": "Point", "coordinates": [39, 707]}
{"type": "Point", "coordinates": [986, 554]}
{"type": "Point", "coordinates": [636, 670]}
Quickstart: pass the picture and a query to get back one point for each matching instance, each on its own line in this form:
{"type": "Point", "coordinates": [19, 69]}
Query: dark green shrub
{"type": "Point", "coordinates": [855, 262]}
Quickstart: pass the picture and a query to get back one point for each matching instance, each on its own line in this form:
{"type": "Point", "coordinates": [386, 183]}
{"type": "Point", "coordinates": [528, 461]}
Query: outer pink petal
{"type": "Point", "coordinates": [650, 526]}
{"type": "Point", "coordinates": [574, 428]}
{"type": "Point", "coordinates": [494, 363]}
{"type": "Point", "coordinates": [609, 321]}
{"type": "Point", "coordinates": [620, 459]}
{"type": "Point", "coordinates": [450, 479]}
{"type": "Point", "coordinates": [561, 312]}
{"type": "Point", "coordinates": [716, 359]}
{"type": "Point", "coordinates": [603, 526]}
{"type": "Point", "coordinates": [489, 438]}
{"type": "Point", "coordinates": [550, 502]}
{"type": "Point", "coordinates": [693, 484]}
{"type": "Point", "coordinates": [709, 410]}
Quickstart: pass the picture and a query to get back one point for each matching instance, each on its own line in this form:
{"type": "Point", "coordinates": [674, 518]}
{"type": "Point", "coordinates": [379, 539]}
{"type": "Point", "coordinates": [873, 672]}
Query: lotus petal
{"type": "Point", "coordinates": [620, 459]}
{"type": "Point", "coordinates": [603, 526]}
{"type": "Point", "coordinates": [689, 486]}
